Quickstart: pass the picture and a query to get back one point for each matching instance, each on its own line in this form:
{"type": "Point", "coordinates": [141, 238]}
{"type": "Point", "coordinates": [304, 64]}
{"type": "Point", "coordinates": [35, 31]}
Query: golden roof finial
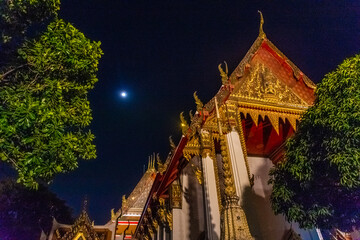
{"type": "Point", "coordinates": [113, 215]}
{"type": "Point", "coordinates": [172, 144]}
{"type": "Point", "coordinates": [224, 75]}
{"type": "Point", "coordinates": [184, 124]}
{"type": "Point", "coordinates": [199, 104]}
{"type": "Point", "coordinates": [124, 201]}
{"type": "Point", "coordinates": [160, 165]}
{"type": "Point", "coordinates": [261, 30]}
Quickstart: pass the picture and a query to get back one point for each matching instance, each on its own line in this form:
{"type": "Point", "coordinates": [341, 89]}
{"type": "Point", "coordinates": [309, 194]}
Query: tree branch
{"type": "Point", "coordinates": [12, 70]}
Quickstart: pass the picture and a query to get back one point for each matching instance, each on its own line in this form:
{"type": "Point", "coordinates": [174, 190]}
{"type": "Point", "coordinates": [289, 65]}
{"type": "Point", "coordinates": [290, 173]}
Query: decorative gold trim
{"type": "Point", "coordinates": [175, 195]}
{"type": "Point", "coordinates": [243, 146]}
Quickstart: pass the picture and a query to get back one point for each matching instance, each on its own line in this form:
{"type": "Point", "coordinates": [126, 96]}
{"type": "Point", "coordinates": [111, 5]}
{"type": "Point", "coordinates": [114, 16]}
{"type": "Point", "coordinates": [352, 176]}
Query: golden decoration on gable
{"type": "Point", "coordinates": [192, 148]}
{"type": "Point", "coordinates": [273, 113]}
{"type": "Point", "coordinates": [262, 85]}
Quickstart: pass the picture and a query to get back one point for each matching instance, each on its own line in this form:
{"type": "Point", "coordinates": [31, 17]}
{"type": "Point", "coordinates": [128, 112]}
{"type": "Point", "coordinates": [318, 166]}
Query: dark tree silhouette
{"type": "Point", "coordinates": [25, 212]}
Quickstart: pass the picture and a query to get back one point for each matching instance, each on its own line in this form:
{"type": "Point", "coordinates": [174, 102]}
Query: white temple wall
{"type": "Point", "coordinates": [263, 224]}
{"type": "Point", "coordinates": [212, 212]}
{"type": "Point", "coordinates": [262, 221]}
{"type": "Point", "coordinates": [188, 222]}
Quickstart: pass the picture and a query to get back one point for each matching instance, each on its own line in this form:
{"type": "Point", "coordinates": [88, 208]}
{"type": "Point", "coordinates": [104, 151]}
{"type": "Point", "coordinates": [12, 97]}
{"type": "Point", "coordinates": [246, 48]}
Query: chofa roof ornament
{"type": "Point", "coordinates": [261, 30]}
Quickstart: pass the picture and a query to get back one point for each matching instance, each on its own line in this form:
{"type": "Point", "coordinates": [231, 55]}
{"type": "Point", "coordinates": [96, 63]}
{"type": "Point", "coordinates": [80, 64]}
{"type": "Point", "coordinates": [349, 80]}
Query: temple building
{"type": "Point", "coordinates": [127, 217]}
{"type": "Point", "coordinates": [82, 229]}
{"type": "Point", "coordinates": [215, 184]}
{"type": "Point", "coordinates": [123, 222]}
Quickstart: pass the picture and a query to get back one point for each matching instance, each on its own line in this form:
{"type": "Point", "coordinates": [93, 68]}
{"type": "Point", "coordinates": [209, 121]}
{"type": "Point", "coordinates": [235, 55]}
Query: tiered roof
{"type": "Point", "coordinates": [268, 91]}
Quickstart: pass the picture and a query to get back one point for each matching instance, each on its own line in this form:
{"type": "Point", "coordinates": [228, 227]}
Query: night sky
{"type": "Point", "coordinates": [160, 53]}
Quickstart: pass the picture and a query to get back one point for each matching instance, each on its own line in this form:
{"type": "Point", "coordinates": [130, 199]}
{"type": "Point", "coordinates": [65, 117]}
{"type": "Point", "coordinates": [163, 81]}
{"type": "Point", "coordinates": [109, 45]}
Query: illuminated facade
{"type": "Point", "coordinates": [215, 183]}
{"type": "Point", "coordinates": [82, 229]}
{"type": "Point", "coordinates": [124, 220]}
{"type": "Point", "coordinates": [127, 217]}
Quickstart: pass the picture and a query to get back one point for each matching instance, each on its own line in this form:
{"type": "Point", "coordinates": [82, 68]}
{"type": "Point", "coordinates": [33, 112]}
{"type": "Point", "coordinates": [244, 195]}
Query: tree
{"type": "Point", "coordinates": [45, 75]}
{"type": "Point", "coordinates": [318, 183]}
{"type": "Point", "coordinates": [25, 212]}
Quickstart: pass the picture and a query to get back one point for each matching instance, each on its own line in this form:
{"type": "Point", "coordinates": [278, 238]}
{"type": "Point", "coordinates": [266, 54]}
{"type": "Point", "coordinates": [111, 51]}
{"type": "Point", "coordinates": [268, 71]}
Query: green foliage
{"type": "Point", "coordinates": [17, 16]}
{"type": "Point", "coordinates": [43, 100]}
{"type": "Point", "coordinates": [24, 213]}
{"type": "Point", "coordinates": [318, 185]}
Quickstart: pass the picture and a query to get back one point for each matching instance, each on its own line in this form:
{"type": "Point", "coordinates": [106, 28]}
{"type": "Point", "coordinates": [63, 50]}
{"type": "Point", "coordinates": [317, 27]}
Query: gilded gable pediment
{"type": "Point", "coordinates": [260, 84]}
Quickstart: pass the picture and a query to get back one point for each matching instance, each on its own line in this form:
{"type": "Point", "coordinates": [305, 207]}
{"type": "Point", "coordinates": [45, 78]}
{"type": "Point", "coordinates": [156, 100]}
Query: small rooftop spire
{"type": "Point", "coordinates": [151, 162]}
{"type": "Point", "coordinates": [85, 204]}
{"type": "Point", "coordinates": [261, 30]}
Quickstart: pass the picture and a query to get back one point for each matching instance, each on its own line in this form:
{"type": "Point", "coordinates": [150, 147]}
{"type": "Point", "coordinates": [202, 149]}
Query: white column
{"type": "Point", "coordinates": [212, 211]}
{"type": "Point", "coordinates": [179, 229]}
{"type": "Point", "coordinates": [158, 231]}
{"type": "Point", "coordinates": [181, 217]}
{"type": "Point", "coordinates": [238, 163]}
{"type": "Point", "coordinates": [319, 234]}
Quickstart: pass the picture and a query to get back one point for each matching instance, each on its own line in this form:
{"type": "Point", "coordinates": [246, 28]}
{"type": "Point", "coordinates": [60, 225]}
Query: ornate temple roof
{"type": "Point", "coordinates": [138, 196]}
{"type": "Point", "coordinates": [266, 90]}
{"type": "Point", "coordinates": [82, 229]}
{"type": "Point", "coordinates": [135, 203]}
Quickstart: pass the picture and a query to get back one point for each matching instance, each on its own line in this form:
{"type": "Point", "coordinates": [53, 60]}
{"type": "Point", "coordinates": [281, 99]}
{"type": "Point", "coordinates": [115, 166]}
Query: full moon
{"type": "Point", "coordinates": [123, 94]}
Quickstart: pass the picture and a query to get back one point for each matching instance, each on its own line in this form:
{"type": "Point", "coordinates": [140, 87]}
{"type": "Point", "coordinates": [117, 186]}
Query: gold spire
{"type": "Point", "coordinates": [151, 162]}
{"type": "Point", "coordinates": [85, 204]}
{"type": "Point", "coordinates": [261, 30]}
